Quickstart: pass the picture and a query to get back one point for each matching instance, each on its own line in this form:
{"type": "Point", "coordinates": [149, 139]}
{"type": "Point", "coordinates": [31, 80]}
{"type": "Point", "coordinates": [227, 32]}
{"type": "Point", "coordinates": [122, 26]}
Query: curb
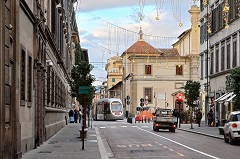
{"type": "Point", "coordinates": [217, 137]}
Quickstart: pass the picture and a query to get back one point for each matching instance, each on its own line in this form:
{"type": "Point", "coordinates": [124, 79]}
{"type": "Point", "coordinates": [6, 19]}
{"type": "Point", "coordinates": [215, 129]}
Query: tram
{"type": "Point", "coordinates": [108, 109]}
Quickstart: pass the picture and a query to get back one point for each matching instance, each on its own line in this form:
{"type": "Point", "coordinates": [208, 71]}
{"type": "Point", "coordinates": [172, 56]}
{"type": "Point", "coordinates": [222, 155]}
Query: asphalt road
{"type": "Point", "coordinates": [128, 141]}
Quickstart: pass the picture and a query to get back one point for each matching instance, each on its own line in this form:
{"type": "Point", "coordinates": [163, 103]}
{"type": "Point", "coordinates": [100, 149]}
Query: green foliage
{"type": "Point", "coordinates": [192, 90]}
{"type": "Point", "coordinates": [235, 78]}
{"type": "Point", "coordinates": [81, 77]}
{"type": "Point", "coordinates": [78, 54]}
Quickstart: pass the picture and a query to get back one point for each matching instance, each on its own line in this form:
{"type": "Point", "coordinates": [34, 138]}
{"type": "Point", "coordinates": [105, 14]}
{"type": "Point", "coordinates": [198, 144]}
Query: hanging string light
{"type": "Point", "coordinates": [141, 7]}
{"type": "Point", "coordinates": [176, 9]}
{"type": "Point", "coordinates": [226, 13]}
{"type": "Point", "coordinates": [205, 3]}
{"type": "Point", "coordinates": [159, 5]}
{"type": "Point", "coordinates": [209, 22]}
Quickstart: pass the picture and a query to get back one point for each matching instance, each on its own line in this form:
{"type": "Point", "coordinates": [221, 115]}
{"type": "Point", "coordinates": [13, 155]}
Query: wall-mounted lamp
{"type": "Point", "coordinates": [49, 62]}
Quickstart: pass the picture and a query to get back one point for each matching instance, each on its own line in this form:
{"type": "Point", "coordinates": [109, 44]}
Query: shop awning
{"type": "Point", "coordinates": [229, 99]}
{"type": "Point", "coordinates": [220, 98]}
{"type": "Point", "coordinates": [226, 97]}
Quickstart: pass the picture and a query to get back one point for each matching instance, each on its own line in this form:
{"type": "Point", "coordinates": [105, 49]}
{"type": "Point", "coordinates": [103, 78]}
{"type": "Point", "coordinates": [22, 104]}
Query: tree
{"type": "Point", "coordinates": [81, 76]}
{"type": "Point", "coordinates": [235, 84]}
{"type": "Point", "coordinates": [192, 90]}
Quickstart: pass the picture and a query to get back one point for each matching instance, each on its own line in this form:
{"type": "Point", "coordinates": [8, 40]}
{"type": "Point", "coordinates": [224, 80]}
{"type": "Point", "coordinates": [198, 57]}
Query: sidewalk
{"type": "Point", "coordinates": [203, 130]}
{"type": "Point", "coordinates": [66, 144]}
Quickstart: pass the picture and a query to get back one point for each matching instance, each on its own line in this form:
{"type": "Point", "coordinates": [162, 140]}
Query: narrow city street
{"type": "Point", "coordinates": [140, 141]}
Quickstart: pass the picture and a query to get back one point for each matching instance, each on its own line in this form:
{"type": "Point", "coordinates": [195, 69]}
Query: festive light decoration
{"type": "Point", "coordinates": [159, 5]}
{"type": "Point", "coordinates": [141, 7]}
{"type": "Point", "coordinates": [176, 9]}
{"type": "Point", "coordinates": [226, 13]}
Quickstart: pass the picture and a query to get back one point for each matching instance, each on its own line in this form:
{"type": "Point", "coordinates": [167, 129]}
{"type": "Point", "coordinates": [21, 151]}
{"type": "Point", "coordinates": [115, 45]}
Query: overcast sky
{"type": "Point", "coordinates": [109, 27]}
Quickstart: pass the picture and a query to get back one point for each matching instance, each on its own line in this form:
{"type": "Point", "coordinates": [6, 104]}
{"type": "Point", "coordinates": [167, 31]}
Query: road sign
{"type": "Point", "coordinates": [146, 102]}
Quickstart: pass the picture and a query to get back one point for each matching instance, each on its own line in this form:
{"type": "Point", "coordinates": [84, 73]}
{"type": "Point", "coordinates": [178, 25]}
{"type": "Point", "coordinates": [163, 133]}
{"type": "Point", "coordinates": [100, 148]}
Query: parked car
{"type": "Point", "coordinates": [232, 128]}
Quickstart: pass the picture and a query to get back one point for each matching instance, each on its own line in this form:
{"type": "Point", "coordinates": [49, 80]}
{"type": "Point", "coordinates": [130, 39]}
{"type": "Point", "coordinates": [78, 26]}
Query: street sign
{"type": "Point", "coordinates": [146, 102]}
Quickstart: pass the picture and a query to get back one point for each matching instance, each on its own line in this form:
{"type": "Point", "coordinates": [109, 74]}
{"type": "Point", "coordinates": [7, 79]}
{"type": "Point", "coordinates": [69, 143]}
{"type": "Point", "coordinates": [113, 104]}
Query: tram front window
{"type": "Point", "coordinates": [116, 107]}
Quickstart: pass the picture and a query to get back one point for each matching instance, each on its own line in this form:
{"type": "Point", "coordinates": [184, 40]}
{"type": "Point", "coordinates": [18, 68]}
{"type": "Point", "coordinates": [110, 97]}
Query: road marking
{"type": "Point", "coordinates": [165, 147]}
{"type": "Point", "coordinates": [134, 126]}
{"type": "Point", "coordinates": [121, 146]}
{"type": "Point", "coordinates": [123, 126]}
{"type": "Point", "coordinates": [180, 154]}
{"type": "Point", "coordinates": [180, 144]}
{"type": "Point", "coordinates": [171, 149]}
{"type": "Point", "coordinates": [102, 127]}
{"type": "Point", "coordinates": [113, 127]}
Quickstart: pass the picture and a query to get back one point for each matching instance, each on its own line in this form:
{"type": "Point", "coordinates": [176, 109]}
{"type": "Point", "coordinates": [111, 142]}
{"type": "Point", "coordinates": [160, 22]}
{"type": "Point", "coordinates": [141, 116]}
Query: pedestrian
{"type": "Point", "coordinates": [80, 115]}
{"type": "Point", "coordinates": [71, 114]}
{"type": "Point", "coordinates": [76, 116]}
{"type": "Point", "coordinates": [199, 117]}
{"type": "Point", "coordinates": [175, 113]}
{"type": "Point", "coordinates": [210, 117]}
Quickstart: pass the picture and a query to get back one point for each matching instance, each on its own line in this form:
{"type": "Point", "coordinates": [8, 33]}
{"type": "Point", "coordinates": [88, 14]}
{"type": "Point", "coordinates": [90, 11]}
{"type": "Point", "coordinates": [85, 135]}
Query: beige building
{"type": "Point", "coordinates": [159, 75]}
{"type": "Point", "coordinates": [114, 75]}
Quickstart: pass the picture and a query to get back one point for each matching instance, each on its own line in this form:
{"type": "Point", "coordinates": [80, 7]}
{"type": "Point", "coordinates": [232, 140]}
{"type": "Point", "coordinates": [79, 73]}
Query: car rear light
{"type": "Point", "coordinates": [157, 124]}
{"type": "Point", "coordinates": [234, 125]}
{"type": "Point", "coordinates": [174, 126]}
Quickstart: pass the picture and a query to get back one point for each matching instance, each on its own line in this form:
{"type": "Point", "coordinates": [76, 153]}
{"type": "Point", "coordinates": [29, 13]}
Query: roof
{"type": "Point", "coordinates": [141, 47]}
{"type": "Point", "coordinates": [169, 52]}
{"type": "Point", "coordinates": [119, 83]}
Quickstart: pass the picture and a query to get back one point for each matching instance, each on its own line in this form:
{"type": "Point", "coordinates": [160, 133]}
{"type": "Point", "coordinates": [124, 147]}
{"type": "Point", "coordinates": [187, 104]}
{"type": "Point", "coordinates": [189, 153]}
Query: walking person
{"type": "Point", "coordinates": [71, 114]}
{"type": "Point", "coordinates": [210, 117]}
{"type": "Point", "coordinates": [75, 116]}
{"type": "Point", "coordinates": [199, 117]}
{"type": "Point", "coordinates": [80, 115]}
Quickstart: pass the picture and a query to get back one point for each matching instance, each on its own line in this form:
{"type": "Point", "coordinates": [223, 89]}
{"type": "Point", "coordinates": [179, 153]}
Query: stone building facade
{"type": "Point", "coordinates": [36, 56]}
{"type": "Point", "coordinates": [219, 53]}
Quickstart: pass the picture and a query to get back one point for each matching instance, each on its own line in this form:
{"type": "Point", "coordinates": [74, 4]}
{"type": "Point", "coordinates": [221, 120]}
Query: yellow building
{"type": "Point", "coordinates": [114, 76]}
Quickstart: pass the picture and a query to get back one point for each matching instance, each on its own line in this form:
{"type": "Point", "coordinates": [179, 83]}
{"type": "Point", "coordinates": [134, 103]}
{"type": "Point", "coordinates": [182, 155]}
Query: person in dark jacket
{"type": "Point", "coordinates": [71, 114]}
{"type": "Point", "coordinates": [76, 116]}
{"type": "Point", "coordinates": [199, 117]}
{"type": "Point", "coordinates": [210, 117]}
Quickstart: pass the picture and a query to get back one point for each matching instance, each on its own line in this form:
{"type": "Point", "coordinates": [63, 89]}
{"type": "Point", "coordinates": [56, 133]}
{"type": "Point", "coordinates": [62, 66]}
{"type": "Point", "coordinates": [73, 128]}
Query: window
{"type": "Point", "coordinates": [148, 69]}
{"type": "Point", "coordinates": [217, 60]}
{"type": "Point", "coordinates": [234, 56]}
{"type": "Point", "coordinates": [212, 61]}
{"type": "Point", "coordinates": [228, 54]}
{"type": "Point", "coordinates": [113, 79]}
{"type": "Point", "coordinates": [22, 82]}
{"type": "Point", "coordinates": [148, 93]}
{"type": "Point", "coordinates": [48, 84]}
{"type": "Point", "coordinates": [201, 75]}
{"type": "Point", "coordinates": [29, 81]}
{"type": "Point", "coordinates": [222, 56]}
{"type": "Point", "coordinates": [179, 70]}
{"type": "Point", "coordinates": [206, 64]}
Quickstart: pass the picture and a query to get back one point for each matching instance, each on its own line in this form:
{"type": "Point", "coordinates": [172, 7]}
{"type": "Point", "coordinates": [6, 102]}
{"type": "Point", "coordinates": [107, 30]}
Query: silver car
{"type": "Point", "coordinates": [232, 128]}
